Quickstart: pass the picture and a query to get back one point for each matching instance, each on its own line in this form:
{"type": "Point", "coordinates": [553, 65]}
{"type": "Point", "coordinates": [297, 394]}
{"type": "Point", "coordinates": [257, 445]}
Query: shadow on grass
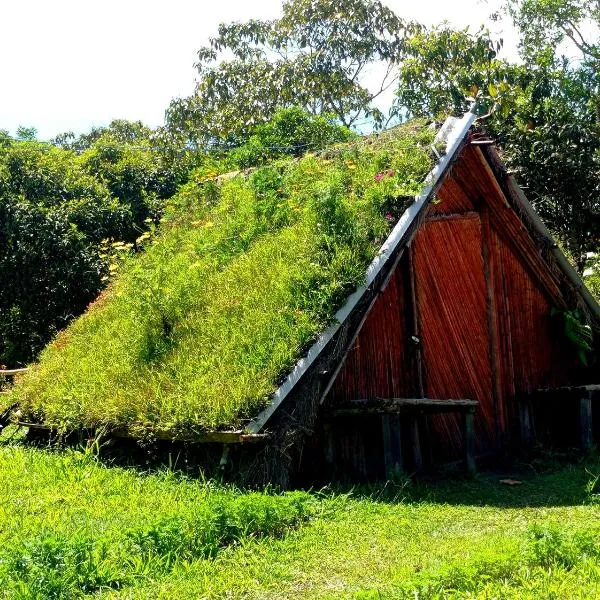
{"type": "Point", "coordinates": [546, 480]}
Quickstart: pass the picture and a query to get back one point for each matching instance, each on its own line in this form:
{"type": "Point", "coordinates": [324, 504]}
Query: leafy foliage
{"type": "Point", "coordinates": [57, 210]}
{"type": "Point", "coordinates": [199, 329]}
{"type": "Point", "coordinates": [291, 132]}
{"type": "Point", "coordinates": [313, 56]}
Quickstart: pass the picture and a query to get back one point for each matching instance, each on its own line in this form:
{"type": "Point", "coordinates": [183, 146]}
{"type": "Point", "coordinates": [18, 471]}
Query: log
{"type": "Point", "coordinates": [11, 372]}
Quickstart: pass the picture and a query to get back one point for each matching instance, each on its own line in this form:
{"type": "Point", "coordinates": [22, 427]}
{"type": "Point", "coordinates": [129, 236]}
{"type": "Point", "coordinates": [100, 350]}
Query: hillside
{"type": "Point", "coordinates": [197, 331]}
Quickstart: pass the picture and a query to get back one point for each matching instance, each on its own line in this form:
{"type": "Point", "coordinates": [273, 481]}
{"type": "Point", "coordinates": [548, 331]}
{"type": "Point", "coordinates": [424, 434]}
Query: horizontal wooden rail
{"type": "Point", "coordinates": [396, 405]}
{"type": "Point", "coordinates": [10, 372]}
{"type": "Point", "coordinates": [591, 387]}
{"type": "Point", "coordinates": [209, 437]}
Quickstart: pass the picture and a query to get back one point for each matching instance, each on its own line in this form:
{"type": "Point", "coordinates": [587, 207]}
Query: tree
{"type": "Point", "coordinates": [314, 57]}
{"type": "Point", "coordinates": [291, 132]}
{"type": "Point", "coordinates": [547, 23]}
{"type": "Point", "coordinates": [445, 70]}
{"type": "Point", "coordinates": [63, 212]}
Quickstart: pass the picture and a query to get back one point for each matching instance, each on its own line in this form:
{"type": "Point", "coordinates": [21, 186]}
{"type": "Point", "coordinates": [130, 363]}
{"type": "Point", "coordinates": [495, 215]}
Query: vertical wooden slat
{"type": "Point", "coordinates": [586, 429]}
{"type": "Point", "coordinates": [469, 433]}
{"type": "Point", "coordinates": [414, 327]}
{"type": "Point", "coordinates": [492, 325]}
{"type": "Point", "coordinates": [451, 298]}
{"type": "Point", "coordinates": [392, 445]}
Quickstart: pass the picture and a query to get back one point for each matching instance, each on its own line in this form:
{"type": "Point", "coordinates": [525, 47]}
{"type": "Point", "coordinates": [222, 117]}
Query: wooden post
{"type": "Point", "coordinates": [469, 435]}
{"type": "Point", "coordinates": [392, 445]}
{"type": "Point", "coordinates": [525, 421]}
{"type": "Point", "coordinates": [586, 430]}
{"type": "Point", "coordinates": [415, 440]}
{"type": "Point", "coordinates": [329, 447]}
{"type": "Point", "coordinates": [492, 325]}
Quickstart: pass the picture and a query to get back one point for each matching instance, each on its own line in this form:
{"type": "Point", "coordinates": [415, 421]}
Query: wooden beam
{"type": "Point", "coordinates": [392, 446]}
{"type": "Point", "coordinates": [469, 434]}
{"type": "Point", "coordinates": [415, 325]}
{"type": "Point", "coordinates": [492, 323]}
{"type": "Point", "coordinates": [415, 440]}
{"type": "Point", "coordinates": [470, 214]}
{"type": "Point", "coordinates": [209, 437]}
{"type": "Point", "coordinates": [513, 229]}
{"type": "Point", "coordinates": [525, 422]}
{"type": "Point", "coordinates": [592, 387]}
{"type": "Point", "coordinates": [11, 372]}
{"type": "Point", "coordinates": [397, 405]}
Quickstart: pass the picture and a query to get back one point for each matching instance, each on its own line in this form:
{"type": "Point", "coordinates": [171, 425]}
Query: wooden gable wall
{"type": "Point", "coordinates": [466, 314]}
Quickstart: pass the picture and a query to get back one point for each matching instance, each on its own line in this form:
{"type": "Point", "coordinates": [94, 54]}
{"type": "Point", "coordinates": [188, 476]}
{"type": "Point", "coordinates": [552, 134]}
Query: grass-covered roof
{"type": "Point", "coordinates": [198, 330]}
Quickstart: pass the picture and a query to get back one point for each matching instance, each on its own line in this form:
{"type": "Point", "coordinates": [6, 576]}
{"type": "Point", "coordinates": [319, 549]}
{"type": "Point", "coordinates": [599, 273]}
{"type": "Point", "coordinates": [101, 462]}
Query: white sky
{"type": "Point", "coordinates": [72, 64]}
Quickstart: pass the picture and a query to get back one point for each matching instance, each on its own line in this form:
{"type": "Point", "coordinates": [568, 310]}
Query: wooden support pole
{"type": "Point", "coordinates": [392, 445]}
{"type": "Point", "coordinates": [329, 448]}
{"type": "Point", "coordinates": [586, 429]}
{"type": "Point", "coordinates": [469, 435]}
{"type": "Point", "coordinates": [415, 440]}
{"type": "Point", "coordinates": [525, 421]}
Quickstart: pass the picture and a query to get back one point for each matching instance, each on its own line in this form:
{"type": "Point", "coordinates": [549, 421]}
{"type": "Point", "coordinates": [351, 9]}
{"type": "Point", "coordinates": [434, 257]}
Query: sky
{"type": "Point", "coordinates": [69, 65]}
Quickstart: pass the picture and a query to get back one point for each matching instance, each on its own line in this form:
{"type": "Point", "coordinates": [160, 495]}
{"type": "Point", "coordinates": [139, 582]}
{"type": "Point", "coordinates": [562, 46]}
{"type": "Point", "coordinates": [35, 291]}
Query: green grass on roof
{"type": "Point", "coordinates": [198, 330]}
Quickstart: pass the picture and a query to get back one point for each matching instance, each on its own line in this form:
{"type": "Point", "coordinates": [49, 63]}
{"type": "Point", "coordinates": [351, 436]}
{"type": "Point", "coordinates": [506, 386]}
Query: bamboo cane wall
{"type": "Point", "coordinates": [475, 290]}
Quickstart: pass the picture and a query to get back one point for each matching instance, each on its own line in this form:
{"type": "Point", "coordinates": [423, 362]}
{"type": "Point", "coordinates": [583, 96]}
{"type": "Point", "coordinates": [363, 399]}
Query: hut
{"type": "Point", "coordinates": [452, 349]}
{"type": "Point", "coordinates": [439, 355]}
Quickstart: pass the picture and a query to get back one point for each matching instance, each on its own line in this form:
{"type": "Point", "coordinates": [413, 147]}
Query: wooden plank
{"type": "Point", "coordinates": [391, 405]}
{"type": "Point", "coordinates": [415, 441]}
{"type": "Point", "coordinates": [415, 325]}
{"type": "Point", "coordinates": [469, 214]}
{"type": "Point", "coordinates": [492, 322]}
{"type": "Point", "coordinates": [523, 206]}
{"type": "Point", "coordinates": [469, 441]}
{"type": "Point", "coordinates": [330, 455]}
{"type": "Point", "coordinates": [392, 446]}
{"type": "Point", "coordinates": [586, 430]}
{"type": "Point", "coordinates": [11, 372]}
{"type": "Point", "coordinates": [512, 232]}
{"type": "Point", "coordinates": [594, 387]}
{"type": "Point", "coordinates": [210, 437]}
{"type": "Point", "coordinates": [525, 423]}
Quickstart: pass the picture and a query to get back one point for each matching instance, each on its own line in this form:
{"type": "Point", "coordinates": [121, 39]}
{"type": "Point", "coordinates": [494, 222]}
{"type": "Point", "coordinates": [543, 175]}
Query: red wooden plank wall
{"type": "Point", "coordinates": [483, 296]}
{"type": "Point", "coordinates": [379, 364]}
{"type": "Point", "coordinates": [451, 300]}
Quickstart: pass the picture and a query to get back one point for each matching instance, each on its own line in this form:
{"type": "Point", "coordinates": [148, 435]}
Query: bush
{"type": "Point", "coordinates": [59, 211]}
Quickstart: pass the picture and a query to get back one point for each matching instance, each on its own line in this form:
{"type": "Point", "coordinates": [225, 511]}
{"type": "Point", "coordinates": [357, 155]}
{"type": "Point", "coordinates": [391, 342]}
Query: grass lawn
{"type": "Point", "coordinates": [70, 527]}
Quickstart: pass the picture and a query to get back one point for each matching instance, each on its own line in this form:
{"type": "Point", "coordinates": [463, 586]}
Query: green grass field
{"type": "Point", "coordinates": [72, 527]}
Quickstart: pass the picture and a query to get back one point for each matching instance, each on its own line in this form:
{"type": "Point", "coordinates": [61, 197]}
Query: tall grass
{"type": "Point", "coordinates": [72, 526]}
{"type": "Point", "coordinates": [198, 331]}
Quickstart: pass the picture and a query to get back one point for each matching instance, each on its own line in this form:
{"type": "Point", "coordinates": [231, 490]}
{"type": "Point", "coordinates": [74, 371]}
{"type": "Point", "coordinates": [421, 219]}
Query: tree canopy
{"type": "Point", "coordinates": [314, 56]}
{"type": "Point", "coordinates": [544, 111]}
